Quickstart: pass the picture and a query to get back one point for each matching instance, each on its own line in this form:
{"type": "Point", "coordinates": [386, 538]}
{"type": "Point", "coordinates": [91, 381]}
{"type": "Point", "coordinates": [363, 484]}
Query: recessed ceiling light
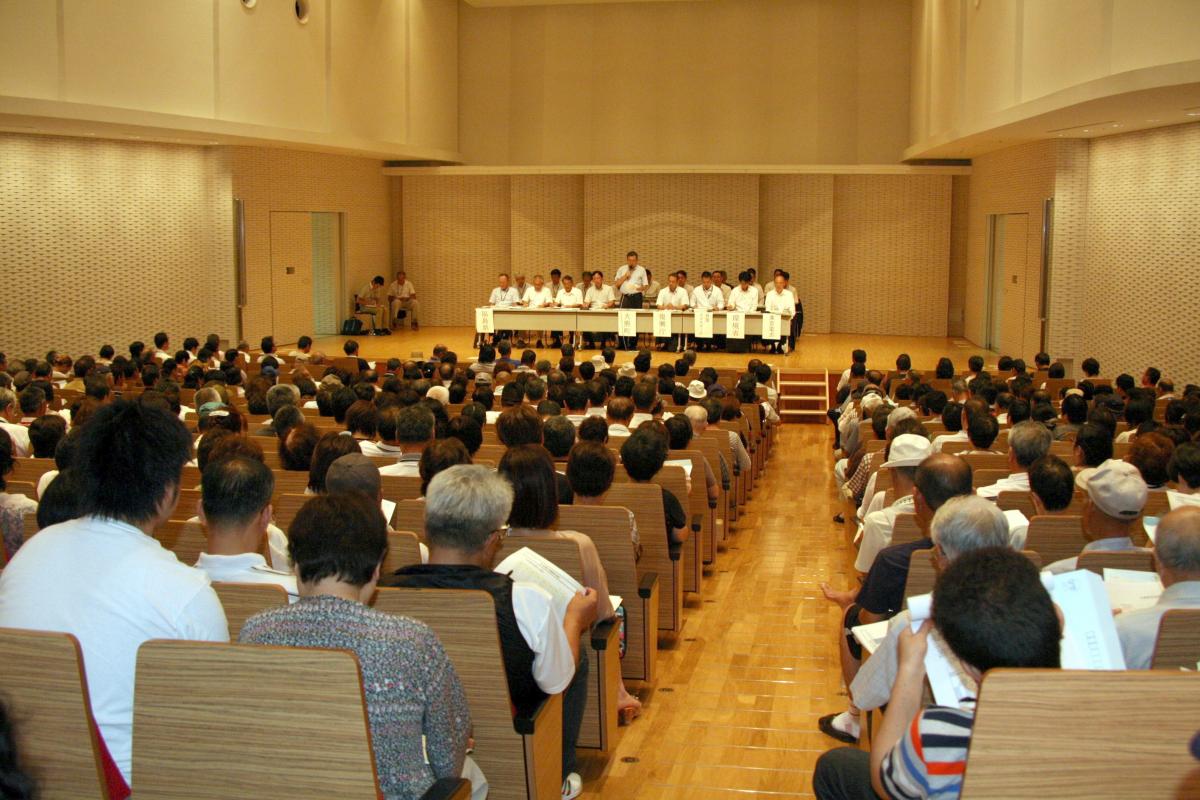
{"type": "Point", "coordinates": [1087, 130]}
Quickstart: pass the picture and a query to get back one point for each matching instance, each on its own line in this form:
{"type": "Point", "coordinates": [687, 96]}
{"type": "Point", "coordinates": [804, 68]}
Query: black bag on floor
{"type": "Point", "coordinates": [352, 326]}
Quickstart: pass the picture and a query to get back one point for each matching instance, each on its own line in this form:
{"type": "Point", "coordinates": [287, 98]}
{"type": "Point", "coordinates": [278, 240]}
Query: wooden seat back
{"type": "Point", "coordinates": [465, 622]}
{"type": "Point", "coordinates": [29, 527]}
{"type": "Point", "coordinates": [645, 501]}
{"type": "Point", "coordinates": [674, 480]}
{"type": "Point", "coordinates": [1178, 643]}
{"type": "Point", "coordinates": [404, 550]}
{"type": "Point", "coordinates": [289, 482]}
{"type": "Point", "coordinates": [906, 529]}
{"type": "Point", "coordinates": [1051, 733]}
{"type": "Point", "coordinates": [981, 461]}
{"type": "Point", "coordinates": [986, 477]}
{"type": "Point", "coordinates": [30, 470]}
{"type": "Point", "coordinates": [410, 516]}
{"type": "Point", "coordinates": [400, 487]}
{"type": "Point", "coordinates": [1157, 504]}
{"type": "Point", "coordinates": [712, 454]}
{"type": "Point", "coordinates": [284, 508]}
{"type": "Point", "coordinates": [26, 488]}
{"type": "Point", "coordinates": [243, 600]}
{"type": "Point", "coordinates": [185, 539]}
{"type": "Point", "coordinates": [922, 571]}
{"type": "Point", "coordinates": [292, 717]}
{"type": "Point", "coordinates": [44, 685]}
{"type": "Point", "coordinates": [1055, 537]}
{"type": "Point", "coordinates": [1097, 560]}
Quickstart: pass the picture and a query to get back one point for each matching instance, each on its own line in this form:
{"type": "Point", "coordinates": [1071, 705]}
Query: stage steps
{"type": "Point", "coordinates": [803, 395]}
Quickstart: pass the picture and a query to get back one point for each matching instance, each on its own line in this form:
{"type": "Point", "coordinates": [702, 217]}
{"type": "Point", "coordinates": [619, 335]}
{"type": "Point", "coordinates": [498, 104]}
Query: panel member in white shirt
{"type": "Point", "coordinates": [538, 296]}
{"type": "Point", "coordinates": [745, 298]}
{"type": "Point", "coordinates": [466, 508]}
{"type": "Point", "coordinates": [782, 302]}
{"type": "Point", "coordinates": [402, 296]}
{"type": "Point", "coordinates": [503, 296]}
{"type": "Point", "coordinates": [630, 282]}
{"type": "Point", "coordinates": [103, 577]}
{"type": "Point", "coordinates": [555, 286]}
{"type": "Point", "coordinates": [797, 325]}
{"type": "Point", "coordinates": [235, 512]}
{"type": "Point", "coordinates": [707, 295]}
{"type": "Point", "coordinates": [570, 296]}
{"type": "Point", "coordinates": [599, 296]}
{"type": "Point", "coordinates": [672, 298]}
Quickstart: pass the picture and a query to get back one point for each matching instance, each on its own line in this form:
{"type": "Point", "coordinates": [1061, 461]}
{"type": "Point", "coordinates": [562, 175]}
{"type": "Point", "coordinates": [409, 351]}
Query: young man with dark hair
{"type": "Point", "coordinates": [103, 577]}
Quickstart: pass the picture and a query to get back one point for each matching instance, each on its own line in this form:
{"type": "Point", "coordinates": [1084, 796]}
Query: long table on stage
{"type": "Point", "coordinates": [605, 320]}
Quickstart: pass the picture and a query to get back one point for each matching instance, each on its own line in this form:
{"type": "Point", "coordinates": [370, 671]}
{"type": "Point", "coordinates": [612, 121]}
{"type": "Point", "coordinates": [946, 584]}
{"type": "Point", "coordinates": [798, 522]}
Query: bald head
{"type": "Point", "coordinates": [942, 476]}
{"type": "Point", "coordinates": [1177, 545]}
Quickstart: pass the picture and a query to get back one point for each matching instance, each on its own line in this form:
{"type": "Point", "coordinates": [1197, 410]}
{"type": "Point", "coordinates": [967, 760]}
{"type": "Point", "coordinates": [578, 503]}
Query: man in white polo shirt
{"type": "Point", "coordinates": [672, 298]}
{"type": "Point", "coordinates": [103, 577]}
{"type": "Point", "coordinates": [631, 282]}
{"type": "Point", "coordinates": [599, 296]}
{"type": "Point", "coordinates": [402, 296]}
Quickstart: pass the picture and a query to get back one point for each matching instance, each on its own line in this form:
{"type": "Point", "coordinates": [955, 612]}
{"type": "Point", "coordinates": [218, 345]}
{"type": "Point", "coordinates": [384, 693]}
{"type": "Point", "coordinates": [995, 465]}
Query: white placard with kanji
{"type": "Point", "coordinates": [735, 325]}
{"type": "Point", "coordinates": [662, 324]}
{"type": "Point", "coordinates": [483, 321]}
{"type": "Point", "coordinates": [704, 323]}
{"type": "Point", "coordinates": [626, 322]}
{"type": "Point", "coordinates": [771, 324]}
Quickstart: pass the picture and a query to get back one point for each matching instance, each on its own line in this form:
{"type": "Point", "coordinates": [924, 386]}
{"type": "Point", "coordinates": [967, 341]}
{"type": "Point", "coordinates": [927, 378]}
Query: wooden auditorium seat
{"type": "Point", "coordinates": [243, 600]}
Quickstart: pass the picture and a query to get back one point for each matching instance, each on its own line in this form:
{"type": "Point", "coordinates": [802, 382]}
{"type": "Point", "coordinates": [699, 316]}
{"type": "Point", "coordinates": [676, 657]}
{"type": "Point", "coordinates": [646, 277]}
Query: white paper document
{"type": "Point", "coordinates": [483, 321]}
{"type": "Point", "coordinates": [388, 508]}
{"type": "Point", "coordinates": [626, 322]}
{"type": "Point", "coordinates": [947, 679]}
{"type": "Point", "coordinates": [1151, 526]}
{"type": "Point", "coordinates": [1129, 589]}
{"type": "Point", "coordinates": [1018, 528]}
{"type": "Point", "coordinates": [735, 325]}
{"type": "Point", "coordinates": [872, 635]}
{"type": "Point", "coordinates": [704, 323]}
{"type": "Point", "coordinates": [1089, 633]}
{"type": "Point", "coordinates": [684, 463]}
{"type": "Point", "coordinates": [529, 566]}
{"type": "Point", "coordinates": [771, 325]}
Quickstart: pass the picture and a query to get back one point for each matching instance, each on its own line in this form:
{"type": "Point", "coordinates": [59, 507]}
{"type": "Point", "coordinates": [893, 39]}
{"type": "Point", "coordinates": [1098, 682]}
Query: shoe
{"type": "Point", "coordinates": [572, 785]}
{"type": "Point", "coordinates": [825, 723]}
{"type": "Point", "coordinates": [539, 344]}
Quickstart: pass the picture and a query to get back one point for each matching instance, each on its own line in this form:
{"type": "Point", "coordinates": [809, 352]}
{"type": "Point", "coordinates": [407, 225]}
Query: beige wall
{"type": "Point", "coordinates": [377, 76]}
{"type": "Point", "coordinates": [108, 242]}
{"type": "Point", "coordinates": [870, 253]}
{"type": "Point", "coordinates": [272, 180]}
{"type": "Point", "coordinates": [727, 81]}
{"type": "Point", "coordinates": [976, 65]}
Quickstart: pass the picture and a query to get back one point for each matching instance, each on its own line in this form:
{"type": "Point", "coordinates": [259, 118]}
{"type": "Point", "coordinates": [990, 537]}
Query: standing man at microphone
{"type": "Point", "coordinates": [630, 282]}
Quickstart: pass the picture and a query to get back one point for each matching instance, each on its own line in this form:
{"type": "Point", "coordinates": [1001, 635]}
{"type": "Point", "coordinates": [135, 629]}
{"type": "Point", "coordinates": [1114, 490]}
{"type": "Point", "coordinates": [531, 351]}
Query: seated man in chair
{"type": "Point", "coordinates": [466, 508]}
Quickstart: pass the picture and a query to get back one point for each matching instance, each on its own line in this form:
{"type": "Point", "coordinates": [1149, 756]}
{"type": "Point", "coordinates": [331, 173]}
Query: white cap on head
{"type": "Point", "coordinates": [908, 450]}
{"type": "Point", "coordinates": [1117, 489]}
{"type": "Point", "coordinates": [696, 390]}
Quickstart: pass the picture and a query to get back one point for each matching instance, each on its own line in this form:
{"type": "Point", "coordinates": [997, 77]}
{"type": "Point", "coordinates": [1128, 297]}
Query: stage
{"type": "Point", "coordinates": [817, 351]}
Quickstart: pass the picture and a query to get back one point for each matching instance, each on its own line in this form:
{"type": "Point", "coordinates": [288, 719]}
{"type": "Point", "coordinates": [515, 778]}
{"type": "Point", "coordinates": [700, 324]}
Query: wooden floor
{"type": "Point", "coordinates": [734, 712]}
{"type": "Point", "coordinates": [813, 351]}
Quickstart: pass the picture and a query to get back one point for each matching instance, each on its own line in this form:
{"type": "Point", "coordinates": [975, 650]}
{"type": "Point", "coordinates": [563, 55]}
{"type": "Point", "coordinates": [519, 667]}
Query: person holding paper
{"type": "Point", "coordinates": [534, 514]}
{"type": "Point", "coordinates": [991, 610]}
{"type": "Point", "coordinates": [466, 508]}
{"type": "Point", "coordinates": [1177, 561]}
{"type": "Point", "coordinates": [1116, 495]}
{"type": "Point", "coordinates": [672, 298]}
{"type": "Point", "coordinates": [782, 302]}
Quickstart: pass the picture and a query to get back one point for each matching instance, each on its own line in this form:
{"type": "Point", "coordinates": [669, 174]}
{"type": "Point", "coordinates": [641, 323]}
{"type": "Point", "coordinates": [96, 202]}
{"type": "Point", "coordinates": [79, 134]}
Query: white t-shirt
{"type": "Point", "coordinates": [410, 467]}
{"type": "Point", "coordinates": [745, 300]}
{"type": "Point", "coordinates": [112, 587]}
{"type": "Point", "coordinates": [541, 625]}
{"type": "Point", "coordinates": [246, 568]}
{"type": "Point", "coordinates": [569, 299]}
{"type": "Point", "coordinates": [20, 438]}
{"type": "Point", "coordinates": [676, 297]}
{"type": "Point", "coordinates": [538, 298]}
{"type": "Point", "coordinates": [504, 297]}
{"type": "Point", "coordinates": [710, 298]}
{"type": "Point", "coordinates": [599, 298]}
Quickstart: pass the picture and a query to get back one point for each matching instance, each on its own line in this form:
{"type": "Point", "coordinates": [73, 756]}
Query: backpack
{"type": "Point", "coordinates": [352, 326]}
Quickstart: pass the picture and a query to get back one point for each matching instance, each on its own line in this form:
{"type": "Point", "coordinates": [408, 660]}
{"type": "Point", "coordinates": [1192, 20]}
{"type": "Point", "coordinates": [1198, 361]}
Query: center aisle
{"type": "Point", "coordinates": [735, 708]}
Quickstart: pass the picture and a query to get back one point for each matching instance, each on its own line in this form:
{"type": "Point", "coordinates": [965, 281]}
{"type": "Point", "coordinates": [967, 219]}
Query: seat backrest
{"type": "Point", "coordinates": [410, 516]}
{"type": "Point", "coordinates": [645, 501]}
{"type": "Point", "coordinates": [1178, 643]}
{"type": "Point", "coordinates": [400, 487]}
{"type": "Point", "coordinates": [29, 527]}
{"type": "Point", "coordinates": [921, 573]}
{"type": "Point", "coordinates": [31, 470]}
{"type": "Point", "coordinates": [26, 488]}
{"type": "Point", "coordinates": [1055, 733]}
{"type": "Point", "coordinates": [44, 685]}
{"type": "Point", "coordinates": [1018, 501]}
{"type": "Point", "coordinates": [986, 477]}
{"type": "Point", "coordinates": [1055, 537]}
{"type": "Point", "coordinates": [290, 482]}
{"type": "Point", "coordinates": [980, 461]}
{"type": "Point", "coordinates": [403, 550]}
{"type": "Point", "coordinates": [242, 601]}
{"type": "Point", "coordinates": [1157, 504]}
{"type": "Point", "coordinates": [285, 507]}
{"type": "Point", "coordinates": [465, 622]}
{"type": "Point", "coordinates": [209, 716]}
{"type": "Point", "coordinates": [906, 529]}
{"type": "Point", "coordinates": [185, 539]}
{"type": "Point", "coordinates": [1097, 560]}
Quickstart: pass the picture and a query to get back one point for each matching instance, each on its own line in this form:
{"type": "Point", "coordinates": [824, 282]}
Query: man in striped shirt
{"type": "Point", "coordinates": [991, 610]}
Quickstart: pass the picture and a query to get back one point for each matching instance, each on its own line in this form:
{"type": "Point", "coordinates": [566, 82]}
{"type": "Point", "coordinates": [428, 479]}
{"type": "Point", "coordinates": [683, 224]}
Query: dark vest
{"type": "Point", "coordinates": [518, 655]}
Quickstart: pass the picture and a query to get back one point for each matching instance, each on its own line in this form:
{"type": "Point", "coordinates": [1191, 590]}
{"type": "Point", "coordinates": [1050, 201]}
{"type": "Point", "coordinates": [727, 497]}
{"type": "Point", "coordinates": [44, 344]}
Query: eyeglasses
{"type": "Point", "coordinates": [503, 530]}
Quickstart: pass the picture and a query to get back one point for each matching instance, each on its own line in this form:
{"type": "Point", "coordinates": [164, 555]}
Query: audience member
{"type": "Point", "coordinates": [1116, 495]}
{"type": "Point", "coordinates": [1027, 442]}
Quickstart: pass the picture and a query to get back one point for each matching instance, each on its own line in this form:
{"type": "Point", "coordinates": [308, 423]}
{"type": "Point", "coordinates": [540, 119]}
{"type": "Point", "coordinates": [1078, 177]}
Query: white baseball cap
{"type": "Point", "coordinates": [1117, 489]}
{"type": "Point", "coordinates": [696, 390]}
{"type": "Point", "coordinates": [908, 450]}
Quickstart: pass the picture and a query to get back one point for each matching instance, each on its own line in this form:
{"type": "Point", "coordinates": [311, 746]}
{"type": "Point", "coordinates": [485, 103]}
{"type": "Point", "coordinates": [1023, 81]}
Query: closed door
{"type": "Point", "coordinates": [1008, 283]}
{"type": "Point", "coordinates": [291, 275]}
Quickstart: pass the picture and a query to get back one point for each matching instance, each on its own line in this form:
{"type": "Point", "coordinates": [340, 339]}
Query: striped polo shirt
{"type": "Point", "coordinates": [929, 761]}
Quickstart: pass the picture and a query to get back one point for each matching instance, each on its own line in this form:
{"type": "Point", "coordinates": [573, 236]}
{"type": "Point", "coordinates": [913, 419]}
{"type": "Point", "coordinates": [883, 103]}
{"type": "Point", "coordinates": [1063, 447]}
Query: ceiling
{"type": "Point", "coordinates": [516, 3]}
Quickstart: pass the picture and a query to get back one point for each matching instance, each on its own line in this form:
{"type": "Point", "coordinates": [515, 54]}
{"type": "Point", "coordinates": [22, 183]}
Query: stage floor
{"type": "Point", "coordinates": [813, 351]}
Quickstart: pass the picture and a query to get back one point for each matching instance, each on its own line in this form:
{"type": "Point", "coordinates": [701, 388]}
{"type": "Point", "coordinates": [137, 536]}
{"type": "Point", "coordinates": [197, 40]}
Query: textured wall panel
{"type": "Point", "coordinates": [891, 254]}
{"type": "Point", "coordinates": [1012, 181]}
{"type": "Point", "coordinates": [689, 222]}
{"type": "Point", "coordinates": [547, 224]}
{"type": "Point", "coordinates": [796, 235]}
{"type": "Point", "coordinates": [291, 180]}
{"type": "Point", "coordinates": [960, 217]}
{"type": "Point", "coordinates": [1143, 249]}
{"type": "Point", "coordinates": [456, 240]}
{"type": "Point", "coordinates": [107, 242]}
{"type": "Point", "coordinates": [1068, 257]}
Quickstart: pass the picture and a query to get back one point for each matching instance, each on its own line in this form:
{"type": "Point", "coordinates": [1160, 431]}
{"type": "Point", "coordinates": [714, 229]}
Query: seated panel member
{"type": "Point", "coordinates": [707, 295]}
{"type": "Point", "coordinates": [538, 295]}
{"type": "Point", "coordinates": [599, 296]}
{"type": "Point", "coordinates": [672, 298]}
{"type": "Point", "coordinates": [503, 296]}
{"type": "Point", "coordinates": [372, 299]}
{"type": "Point", "coordinates": [781, 301]}
{"type": "Point", "coordinates": [402, 296]}
{"type": "Point", "coordinates": [570, 296]}
{"type": "Point", "coordinates": [745, 298]}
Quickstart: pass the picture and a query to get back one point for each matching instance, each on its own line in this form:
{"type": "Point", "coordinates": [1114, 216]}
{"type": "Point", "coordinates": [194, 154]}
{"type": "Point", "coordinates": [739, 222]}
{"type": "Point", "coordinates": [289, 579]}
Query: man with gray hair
{"type": "Point", "coordinates": [1177, 560]}
{"type": "Point", "coordinates": [1027, 442]}
{"type": "Point", "coordinates": [699, 419]}
{"type": "Point", "coordinates": [414, 430]}
{"type": "Point", "coordinates": [10, 419]}
{"type": "Point", "coordinates": [466, 508]}
{"type": "Point", "coordinates": [278, 396]}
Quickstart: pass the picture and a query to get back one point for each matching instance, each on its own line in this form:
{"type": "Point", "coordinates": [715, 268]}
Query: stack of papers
{"type": "Point", "coordinates": [529, 566]}
{"type": "Point", "coordinates": [1129, 589]}
{"type": "Point", "coordinates": [872, 635]}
